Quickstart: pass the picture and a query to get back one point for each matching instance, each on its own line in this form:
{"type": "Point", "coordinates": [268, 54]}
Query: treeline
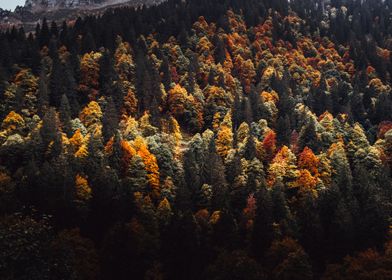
{"type": "Point", "coordinates": [199, 140]}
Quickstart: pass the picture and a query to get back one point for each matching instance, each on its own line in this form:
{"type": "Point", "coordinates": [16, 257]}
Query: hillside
{"type": "Point", "coordinates": [230, 139]}
{"type": "Point", "coordinates": [35, 11]}
{"type": "Point", "coordinates": [39, 6]}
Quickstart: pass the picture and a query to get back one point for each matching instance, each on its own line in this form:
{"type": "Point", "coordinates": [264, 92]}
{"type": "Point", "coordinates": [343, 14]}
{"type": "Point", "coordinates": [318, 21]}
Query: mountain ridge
{"type": "Point", "coordinates": [32, 13]}
{"type": "Point", "coordinates": [45, 5]}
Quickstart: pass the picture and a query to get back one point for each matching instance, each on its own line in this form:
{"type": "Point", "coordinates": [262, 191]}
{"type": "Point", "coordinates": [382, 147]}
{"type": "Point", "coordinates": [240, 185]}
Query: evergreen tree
{"type": "Point", "coordinates": [109, 120]}
{"type": "Point", "coordinates": [65, 114]}
{"type": "Point", "coordinates": [263, 231]}
{"type": "Point", "coordinates": [308, 136]}
{"type": "Point", "coordinates": [44, 33]}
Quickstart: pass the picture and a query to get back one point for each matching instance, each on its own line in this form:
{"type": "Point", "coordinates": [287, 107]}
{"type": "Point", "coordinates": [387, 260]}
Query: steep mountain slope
{"type": "Point", "coordinates": [59, 10]}
{"type": "Point", "coordinates": [199, 140]}
{"type": "Point", "coordinates": [39, 5]}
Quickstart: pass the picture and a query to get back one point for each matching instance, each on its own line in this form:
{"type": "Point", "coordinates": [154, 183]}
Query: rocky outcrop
{"type": "Point", "coordinates": [39, 5]}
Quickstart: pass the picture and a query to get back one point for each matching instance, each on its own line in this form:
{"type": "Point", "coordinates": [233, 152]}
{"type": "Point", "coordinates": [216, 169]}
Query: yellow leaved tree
{"type": "Point", "coordinates": [224, 139]}
{"type": "Point", "coordinates": [150, 163]}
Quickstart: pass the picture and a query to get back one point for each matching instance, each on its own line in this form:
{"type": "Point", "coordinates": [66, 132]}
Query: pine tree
{"type": "Point", "coordinates": [109, 120]}
{"type": "Point", "coordinates": [308, 136]}
{"type": "Point", "coordinates": [250, 148]}
{"type": "Point", "coordinates": [263, 232]}
{"type": "Point", "coordinates": [65, 114]}
{"type": "Point", "coordinates": [283, 130]}
{"type": "Point", "coordinates": [44, 34]}
{"type": "Point", "coordinates": [50, 132]}
{"type": "Point", "coordinates": [216, 177]}
{"type": "Point", "coordinates": [137, 175]}
{"type": "Point", "coordinates": [56, 86]}
{"type": "Point", "coordinates": [107, 73]}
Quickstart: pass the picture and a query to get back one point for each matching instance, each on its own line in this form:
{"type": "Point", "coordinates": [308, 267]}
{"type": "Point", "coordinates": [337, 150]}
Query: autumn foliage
{"type": "Point", "coordinates": [198, 140]}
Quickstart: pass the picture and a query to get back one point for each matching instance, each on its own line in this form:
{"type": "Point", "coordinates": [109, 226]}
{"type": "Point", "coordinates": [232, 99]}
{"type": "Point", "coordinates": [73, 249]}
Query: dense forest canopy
{"type": "Point", "coordinates": [199, 139]}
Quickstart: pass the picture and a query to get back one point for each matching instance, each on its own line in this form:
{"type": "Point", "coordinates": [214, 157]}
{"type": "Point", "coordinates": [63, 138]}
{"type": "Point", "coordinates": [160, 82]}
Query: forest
{"type": "Point", "coordinates": [199, 139]}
